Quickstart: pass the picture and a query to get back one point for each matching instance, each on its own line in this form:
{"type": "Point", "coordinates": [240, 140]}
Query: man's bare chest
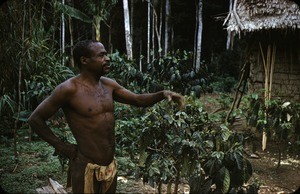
{"type": "Point", "coordinates": [91, 102]}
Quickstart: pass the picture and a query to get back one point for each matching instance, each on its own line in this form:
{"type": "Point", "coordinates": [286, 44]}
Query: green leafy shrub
{"type": "Point", "coordinates": [171, 72]}
{"type": "Point", "coordinates": [224, 84]}
{"type": "Point", "coordinates": [172, 145]}
{"type": "Point", "coordinates": [278, 118]}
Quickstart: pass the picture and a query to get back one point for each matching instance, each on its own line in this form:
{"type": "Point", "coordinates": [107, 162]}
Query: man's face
{"type": "Point", "coordinates": [98, 62]}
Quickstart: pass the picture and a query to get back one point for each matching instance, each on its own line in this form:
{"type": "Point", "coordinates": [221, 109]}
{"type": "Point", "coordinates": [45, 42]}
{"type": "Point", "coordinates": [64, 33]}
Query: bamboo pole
{"type": "Point", "coordinates": [269, 64]}
{"type": "Point", "coordinates": [272, 69]}
{"type": "Point", "coordinates": [265, 63]}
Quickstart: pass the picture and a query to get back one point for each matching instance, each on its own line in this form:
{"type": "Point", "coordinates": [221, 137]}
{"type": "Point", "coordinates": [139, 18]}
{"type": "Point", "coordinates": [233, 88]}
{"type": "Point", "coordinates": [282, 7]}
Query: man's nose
{"type": "Point", "coordinates": [107, 58]}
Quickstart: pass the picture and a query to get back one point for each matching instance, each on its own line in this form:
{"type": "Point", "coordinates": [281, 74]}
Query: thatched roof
{"type": "Point", "coordinates": [254, 15]}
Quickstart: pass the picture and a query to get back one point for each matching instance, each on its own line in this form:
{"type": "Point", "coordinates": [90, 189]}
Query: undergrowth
{"type": "Point", "coordinates": [36, 165]}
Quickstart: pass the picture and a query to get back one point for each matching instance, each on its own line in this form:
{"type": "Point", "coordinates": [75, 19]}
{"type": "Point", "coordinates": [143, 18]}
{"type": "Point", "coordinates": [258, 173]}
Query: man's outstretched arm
{"type": "Point", "coordinates": [123, 95]}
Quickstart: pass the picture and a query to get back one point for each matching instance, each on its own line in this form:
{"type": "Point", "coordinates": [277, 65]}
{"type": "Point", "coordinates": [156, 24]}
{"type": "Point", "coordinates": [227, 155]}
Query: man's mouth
{"type": "Point", "coordinates": [106, 66]}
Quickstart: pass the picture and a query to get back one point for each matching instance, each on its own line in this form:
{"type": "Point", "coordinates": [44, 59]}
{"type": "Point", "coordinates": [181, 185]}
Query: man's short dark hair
{"type": "Point", "coordinates": [82, 48]}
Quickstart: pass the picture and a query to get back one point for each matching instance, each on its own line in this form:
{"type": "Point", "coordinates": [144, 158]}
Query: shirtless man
{"type": "Point", "coordinates": [87, 101]}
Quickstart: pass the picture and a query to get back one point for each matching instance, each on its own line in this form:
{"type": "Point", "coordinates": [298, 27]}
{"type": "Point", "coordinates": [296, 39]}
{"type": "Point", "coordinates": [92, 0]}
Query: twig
{"type": "Point", "coordinates": [154, 149]}
{"type": "Point", "coordinates": [16, 167]}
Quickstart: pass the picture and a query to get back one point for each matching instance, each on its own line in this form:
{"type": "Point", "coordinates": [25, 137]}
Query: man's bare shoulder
{"type": "Point", "coordinates": [68, 86]}
{"type": "Point", "coordinates": [106, 79]}
{"type": "Point", "coordinates": [109, 82]}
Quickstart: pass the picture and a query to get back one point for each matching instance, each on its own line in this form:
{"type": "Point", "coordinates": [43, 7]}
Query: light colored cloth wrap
{"type": "Point", "coordinates": [106, 174]}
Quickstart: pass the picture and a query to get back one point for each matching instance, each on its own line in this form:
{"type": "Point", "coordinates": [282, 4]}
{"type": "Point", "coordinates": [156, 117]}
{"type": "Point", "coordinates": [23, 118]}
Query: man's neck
{"type": "Point", "coordinates": [89, 78]}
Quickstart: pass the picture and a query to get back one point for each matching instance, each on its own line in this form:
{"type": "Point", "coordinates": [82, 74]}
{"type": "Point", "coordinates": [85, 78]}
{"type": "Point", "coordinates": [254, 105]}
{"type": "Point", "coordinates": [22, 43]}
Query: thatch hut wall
{"type": "Point", "coordinates": [286, 77]}
{"type": "Point", "coordinates": [270, 22]}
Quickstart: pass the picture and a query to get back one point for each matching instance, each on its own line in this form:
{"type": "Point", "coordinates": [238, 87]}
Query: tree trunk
{"type": "Point", "coordinates": [71, 62]}
{"type": "Point", "coordinates": [131, 18]}
{"type": "Point", "coordinates": [110, 32]}
{"type": "Point", "coordinates": [16, 155]}
{"type": "Point", "coordinates": [148, 30]}
{"type": "Point", "coordinates": [152, 33]}
{"type": "Point", "coordinates": [158, 34]}
{"type": "Point", "coordinates": [97, 27]}
{"type": "Point", "coordinates": [167, 28]}
{"type": "Point", "coordinates": [197, 52]}
{"type": "Point", "coordinates": [128, 37]}
{"type": "Point", "coordinates": [110, 46]}
{"type": "Point", "coordinates": [62, 35]}
{"type": "Point", "coordinates": [161, 20]}
{"type": "Point", "coordinates": [140, 60]}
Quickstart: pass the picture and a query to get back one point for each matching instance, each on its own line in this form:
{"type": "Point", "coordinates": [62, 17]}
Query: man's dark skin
{"type": "Point", "coordinates": [87, 101]}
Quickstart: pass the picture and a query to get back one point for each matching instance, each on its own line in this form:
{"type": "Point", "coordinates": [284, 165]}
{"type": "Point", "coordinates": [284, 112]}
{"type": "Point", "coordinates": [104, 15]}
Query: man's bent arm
{"type": "Point", "coordinates": [43, 112]}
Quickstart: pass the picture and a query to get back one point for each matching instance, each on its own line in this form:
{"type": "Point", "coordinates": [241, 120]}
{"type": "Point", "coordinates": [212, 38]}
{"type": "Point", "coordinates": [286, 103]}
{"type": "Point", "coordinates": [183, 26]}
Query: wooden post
{"type": "Point", "coordinates": [269, 64]}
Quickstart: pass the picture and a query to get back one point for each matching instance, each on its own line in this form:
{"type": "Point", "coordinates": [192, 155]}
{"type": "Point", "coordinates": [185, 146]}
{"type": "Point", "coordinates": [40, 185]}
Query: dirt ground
{"type": "Point", "coordinates": [273, 179]}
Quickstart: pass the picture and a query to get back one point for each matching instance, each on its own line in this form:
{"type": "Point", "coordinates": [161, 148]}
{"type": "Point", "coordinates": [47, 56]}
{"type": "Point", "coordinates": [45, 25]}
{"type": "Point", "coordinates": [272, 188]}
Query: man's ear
{"type": "Point", "coordinates": [83, 60]}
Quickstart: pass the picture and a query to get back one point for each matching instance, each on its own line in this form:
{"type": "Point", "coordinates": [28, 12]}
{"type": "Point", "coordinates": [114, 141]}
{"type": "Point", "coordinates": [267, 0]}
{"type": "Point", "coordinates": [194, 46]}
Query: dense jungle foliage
{"type": "Point", "coordinates": [161, 144]}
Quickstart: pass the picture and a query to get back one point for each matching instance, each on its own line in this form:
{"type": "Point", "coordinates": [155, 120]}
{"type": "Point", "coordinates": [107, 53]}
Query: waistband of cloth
{"type": "Point", "coordinates": [105, 174]}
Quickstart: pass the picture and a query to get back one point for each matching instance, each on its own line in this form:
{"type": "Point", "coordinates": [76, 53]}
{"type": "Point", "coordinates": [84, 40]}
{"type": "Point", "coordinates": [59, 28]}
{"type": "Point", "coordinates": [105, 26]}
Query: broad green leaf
{"type": "Point", "coordinates": [223, 180]}
{"type": "Point", "coordinates": [239, 160]}
{"type": "Point", "coordinates": [143, 158]}
{"type": "Point", "coordinates": [75, 13]}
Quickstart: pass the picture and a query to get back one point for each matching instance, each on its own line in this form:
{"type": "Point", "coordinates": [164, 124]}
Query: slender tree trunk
{"type": "Point", "coordinates": [109, 33]}
{"type": "Point", "coordinates": [109, 37]}
{"type": "Point", "coordinates": [172, 40]}
{"type": "Point", "coordinates": [167, 28]}
{"type": "Point", "coordinates": [148, 30]}
{"type": "Point", "coordinates": [16, 155]}
{"type": "Point", "coordinates": [158, 35]}
{"type": "Point", "coordinates": [199, 36]}
{"type": "Point", "coordinates": [161, 19]}
{"type": "Point", "coordinates": [128, 37]}
{"type": "Point", "coordinates": [140, 61]}
{"type": "Point", "coordinates": [152, 33]}
{"type": "Point", "coordinates": [131, 18]}
{"type": "Point", "coordinates": [62, 34]}
{"type": "Point", "coordinates": [195, 35]}
{"type": "Point", "coordinates": [71, 62]}
{"type": "Point", "coordinates": [54, 24]}
{"type": "Point", "coordinates": [97, 27]}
